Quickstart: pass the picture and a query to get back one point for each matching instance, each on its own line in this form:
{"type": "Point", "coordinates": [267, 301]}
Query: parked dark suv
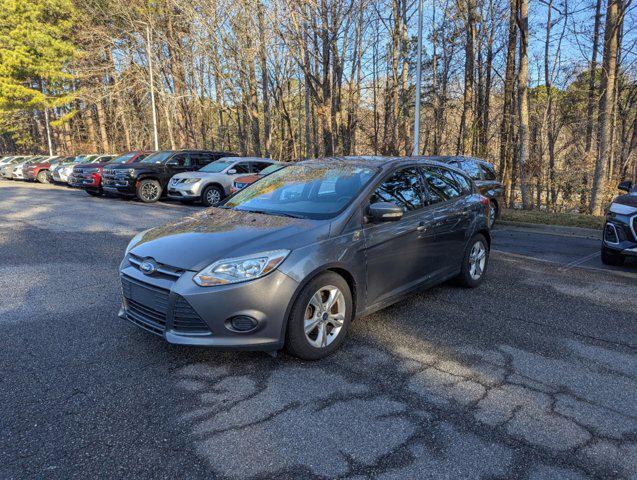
{"type": "Point", "coordinates": [485, 178]}
{"type": "Point", "coordinates": [291, 259]}
{"type": "Point", "coordinates": [147, 180]}
{"type": "Point", "coordinates": [620, 230]}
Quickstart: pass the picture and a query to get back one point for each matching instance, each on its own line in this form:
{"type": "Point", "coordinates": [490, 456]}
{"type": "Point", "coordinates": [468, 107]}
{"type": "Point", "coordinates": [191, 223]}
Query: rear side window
{"type": "Point", "coordinates": [202, 159]}
{"type": "Point", "coordinates": [472, 168]}
{"type": "Point", "coordinates": [402, 188]}
{"type": "Point", "coordinates": [182, 159]}
{"type": "Point", "coordinates": [441, 184]}
{"type": "Point", "coordinates": [463, 182]}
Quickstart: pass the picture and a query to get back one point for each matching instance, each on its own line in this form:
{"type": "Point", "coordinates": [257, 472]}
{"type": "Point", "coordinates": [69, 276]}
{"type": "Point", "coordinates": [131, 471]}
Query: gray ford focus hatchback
{"type": "Point", "coordinates": [292, 259]}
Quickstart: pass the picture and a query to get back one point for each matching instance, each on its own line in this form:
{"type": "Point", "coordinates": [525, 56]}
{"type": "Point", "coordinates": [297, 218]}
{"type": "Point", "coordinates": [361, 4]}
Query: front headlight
{"type": "Point", "coordinates": [189, 181]}
{"type": "Point", "coordinates": [241, 269]}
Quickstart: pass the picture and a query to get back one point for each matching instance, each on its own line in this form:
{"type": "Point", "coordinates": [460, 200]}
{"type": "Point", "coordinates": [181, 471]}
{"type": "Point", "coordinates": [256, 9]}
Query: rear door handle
{"type": "Point", "coordinates": [421, 227]}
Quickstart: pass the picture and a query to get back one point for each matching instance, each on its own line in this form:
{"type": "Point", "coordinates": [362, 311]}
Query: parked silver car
{"type": "Point", "coordinates": [62, 172]}
{"type": "Point", "coordinates": [213, 183]}
{"type": "Point", "coordinates": [291, 259]}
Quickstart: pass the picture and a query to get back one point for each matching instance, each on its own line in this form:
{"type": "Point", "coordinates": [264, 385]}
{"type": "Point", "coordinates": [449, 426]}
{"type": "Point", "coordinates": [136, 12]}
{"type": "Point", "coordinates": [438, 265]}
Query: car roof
{"type": "Point", "coordinates": [451, 158]}
{"type": "Point", "coordinates": [379, 161]}
{"type": "Point", "coordinates": [247, 159]}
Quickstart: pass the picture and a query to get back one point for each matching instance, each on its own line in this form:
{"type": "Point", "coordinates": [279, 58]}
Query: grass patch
{"type": "Point", "coordinates": [551, 218]}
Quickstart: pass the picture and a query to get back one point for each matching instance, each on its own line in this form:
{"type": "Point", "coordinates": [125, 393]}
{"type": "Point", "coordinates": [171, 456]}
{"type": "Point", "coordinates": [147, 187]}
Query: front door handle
{"type": "Point", "coordinates": [421, 227]}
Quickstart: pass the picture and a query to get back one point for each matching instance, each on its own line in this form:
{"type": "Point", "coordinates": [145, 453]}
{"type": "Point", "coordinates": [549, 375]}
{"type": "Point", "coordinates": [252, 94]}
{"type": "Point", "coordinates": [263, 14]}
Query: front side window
{"type": "Point", "coordinates": [242, 168]}
{"type": "Point", "coordinates": [441, 185]}
{"type": "Point", "coordinates": [315, 190]}
{"type": "Point", "coordinates": [402, 188]}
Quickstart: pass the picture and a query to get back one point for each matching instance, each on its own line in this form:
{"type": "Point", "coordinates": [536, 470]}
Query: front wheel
{"type": "Point", "coordinates": [94, 193]}
{"type": "Point", "coordinates": [43, 177]}
{"type": "Point", "coordinates": [212, 196]}
{"type": "Point", "coordinates": [474, 262]}
{"type": "Point", "coordinates": [149, 190]}
{"type": "Point", "coordinates": [612, 258]}
{"type": "Point", "coordinates": [320, 317]}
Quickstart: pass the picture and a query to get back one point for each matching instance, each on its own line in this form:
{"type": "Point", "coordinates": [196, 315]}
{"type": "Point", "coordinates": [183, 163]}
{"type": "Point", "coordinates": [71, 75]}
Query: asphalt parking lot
{"type": "Point", "coordinates": [533, 375]}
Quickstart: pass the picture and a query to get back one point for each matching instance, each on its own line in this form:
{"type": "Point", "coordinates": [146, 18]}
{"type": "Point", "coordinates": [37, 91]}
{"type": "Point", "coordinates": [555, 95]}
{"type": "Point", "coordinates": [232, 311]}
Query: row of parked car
{"type": "Point", "coordinates": [185, 175]}
{"type": "Point", "coordinates": [189, 176]}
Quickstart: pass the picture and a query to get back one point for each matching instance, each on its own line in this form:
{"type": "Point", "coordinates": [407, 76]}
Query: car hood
{"type": "Point", "coordinates": [199, 240]}
{"type": "Point", "coordinates": [247, 178]}
{"type": "Point", "coordinates": [629, 199]}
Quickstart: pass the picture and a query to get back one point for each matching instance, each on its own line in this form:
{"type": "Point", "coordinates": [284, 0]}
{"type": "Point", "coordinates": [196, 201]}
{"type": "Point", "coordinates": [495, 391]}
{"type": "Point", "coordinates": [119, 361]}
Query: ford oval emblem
{"type": "Point", "coordinates": [148, 267]}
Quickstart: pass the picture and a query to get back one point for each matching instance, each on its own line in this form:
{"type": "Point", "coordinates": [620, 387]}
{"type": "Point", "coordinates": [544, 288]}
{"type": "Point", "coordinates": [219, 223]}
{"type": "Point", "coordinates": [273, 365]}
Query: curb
{"type": "Point", "coordinates": [554, 229]}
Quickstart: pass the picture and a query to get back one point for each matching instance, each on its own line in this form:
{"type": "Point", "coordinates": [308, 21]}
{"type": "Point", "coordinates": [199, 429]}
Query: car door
{"type": "Point", "coordinates": [398, 253]}
{"type": "Point", "coordinates": [451, 212]}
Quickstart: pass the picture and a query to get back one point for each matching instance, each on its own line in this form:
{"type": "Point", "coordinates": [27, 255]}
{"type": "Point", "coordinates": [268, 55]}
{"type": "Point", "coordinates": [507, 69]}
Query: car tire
{"type": "Point", "coordinates": [612, 258]}
{"type": "Point", "coordinates": [475, 262]}
{"type": "Point", "coordinates": [308, 312]}
{"type": "Point", "coordinates": [94, 193]}
{"type": "Point", "coordinates": [149, 190]}
{"type": "Point", "coordinates": [212, 196]}
{"type": "Point", "coordinates": [42, 177]}
{"type": "Point", "coordinates": [493, 212]}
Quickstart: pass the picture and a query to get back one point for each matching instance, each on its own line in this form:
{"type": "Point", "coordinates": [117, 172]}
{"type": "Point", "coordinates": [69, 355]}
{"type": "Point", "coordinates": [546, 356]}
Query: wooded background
{"type": "Point", "coordinates": [546, 89]}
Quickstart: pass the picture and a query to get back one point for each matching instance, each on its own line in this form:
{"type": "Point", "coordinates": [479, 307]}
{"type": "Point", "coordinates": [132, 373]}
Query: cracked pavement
{"type": "Point", "coordinates": [531, 376]}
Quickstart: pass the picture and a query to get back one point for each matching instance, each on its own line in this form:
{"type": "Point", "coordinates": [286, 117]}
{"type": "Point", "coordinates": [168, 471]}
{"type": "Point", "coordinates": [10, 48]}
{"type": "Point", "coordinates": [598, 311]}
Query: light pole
{"type": "Point", "coordinates": [418, 82]}
{"type": "Point", "coordinates": [48, 130]}
{"type": "Point", "coordinates": [152, 86]}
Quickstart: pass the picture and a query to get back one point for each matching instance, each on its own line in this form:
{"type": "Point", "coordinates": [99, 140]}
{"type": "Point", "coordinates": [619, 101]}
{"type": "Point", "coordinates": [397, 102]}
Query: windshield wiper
{"type": "Point", "coordinates": [279, 214]}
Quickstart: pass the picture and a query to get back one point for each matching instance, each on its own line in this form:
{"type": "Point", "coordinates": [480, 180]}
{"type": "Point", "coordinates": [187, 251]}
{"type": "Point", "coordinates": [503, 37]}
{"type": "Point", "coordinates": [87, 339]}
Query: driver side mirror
{"type": "Point", "coordinates": [232, 171]}
{"type": "Point", "coordinates": [385, 212]}
{"type": "Point", "coordinates": [625, 185]}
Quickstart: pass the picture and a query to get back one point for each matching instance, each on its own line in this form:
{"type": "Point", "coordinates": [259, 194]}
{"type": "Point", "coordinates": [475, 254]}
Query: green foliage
{"type": "Point", "coordinates": [35, 51]}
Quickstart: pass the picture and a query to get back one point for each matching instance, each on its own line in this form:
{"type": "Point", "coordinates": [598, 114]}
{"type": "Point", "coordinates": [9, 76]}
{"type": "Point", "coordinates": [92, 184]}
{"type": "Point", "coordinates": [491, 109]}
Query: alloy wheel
{"type": "Point", "coordinates": [491, 215]}
{"type": "Point", "coordinates": [477, 260]}
{"type": "Point", "coordinates": [324, 316]}
{"type": "Point", "coordinates": [213, 197]}
{"type": "Point", "coordinates": [149, 191]}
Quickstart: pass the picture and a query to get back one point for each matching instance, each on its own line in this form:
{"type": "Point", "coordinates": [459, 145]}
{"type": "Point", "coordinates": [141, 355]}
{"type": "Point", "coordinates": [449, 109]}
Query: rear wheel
{"type": "Point", "coordinates": [43, 176]}
{"type": "Point", "coordinates": [474, 262]}
{"type": "Point", "coordinates": [611, 258]}
{"type": "Point", "coordinates": [212, 196]}
{"type": "Point", "coordinates": [320, 317]}
{"type": "Point", "coordinates": [149, 190]}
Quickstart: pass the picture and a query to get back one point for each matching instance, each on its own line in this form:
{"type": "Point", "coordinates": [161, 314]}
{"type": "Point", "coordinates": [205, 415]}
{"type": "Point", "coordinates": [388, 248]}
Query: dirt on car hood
{"type": "Point", "coordinates": [198, 240]}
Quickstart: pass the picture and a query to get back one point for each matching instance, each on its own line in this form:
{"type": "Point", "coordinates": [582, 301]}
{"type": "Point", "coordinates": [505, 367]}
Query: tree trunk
{"type": "Point", "coordinates": [606, 103]}
{"type": "Point", "coordinates": [523, 101]}
{"type": "Point", "coordinates": [465, 144]}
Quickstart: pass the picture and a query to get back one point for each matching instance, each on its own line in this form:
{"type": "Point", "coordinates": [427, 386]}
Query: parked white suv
{"type": "Point", "coordinates": [212, 183]}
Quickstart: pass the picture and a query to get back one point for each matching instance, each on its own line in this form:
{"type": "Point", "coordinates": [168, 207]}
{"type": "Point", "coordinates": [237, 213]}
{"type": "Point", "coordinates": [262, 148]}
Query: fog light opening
{"type": "Point", "coordinates": [242, 323]}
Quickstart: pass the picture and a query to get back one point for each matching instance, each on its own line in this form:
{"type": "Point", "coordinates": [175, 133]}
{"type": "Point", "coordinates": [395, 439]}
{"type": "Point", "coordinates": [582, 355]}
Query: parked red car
{"type": "Point", "coordinates": [242, 182]}
{"type": "Point", "coordinates": [90, 175]}
{"type": "Point", "coordinates": [40, 170]}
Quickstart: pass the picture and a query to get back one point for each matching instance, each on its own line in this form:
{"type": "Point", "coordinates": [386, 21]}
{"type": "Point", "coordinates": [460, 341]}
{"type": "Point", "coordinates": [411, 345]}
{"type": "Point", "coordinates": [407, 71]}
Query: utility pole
{"type": "Point", "coordinates": [48, 130]}
{"type": "Point", "coordinates": [418, 82]}
{"type": "Point", "coordinates": [152, 86]}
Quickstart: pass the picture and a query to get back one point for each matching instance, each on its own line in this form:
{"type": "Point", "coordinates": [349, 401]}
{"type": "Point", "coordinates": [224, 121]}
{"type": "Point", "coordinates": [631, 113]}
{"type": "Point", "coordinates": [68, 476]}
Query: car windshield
{"type": "Point", "coordinates": [314, 191]}
{"type": "Point", "coordinates": [216, 167]}
{"type": "Point", "coordinates": [159, 157]}
{"type": "Point", "coordinates": [270, 169]}
{"type": "Point", "coordinates": [124, 158]}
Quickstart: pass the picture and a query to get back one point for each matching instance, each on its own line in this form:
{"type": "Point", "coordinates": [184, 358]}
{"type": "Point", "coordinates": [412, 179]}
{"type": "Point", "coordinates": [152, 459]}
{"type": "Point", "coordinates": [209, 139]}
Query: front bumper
{"type": "Point", "coordinates": [119, 184]}
{"type": "Point", "coordinates": [190, 191]}
{"type": "Point", "coordinates": [620, 235]}
{"type": "Point", "coordinates": [160, 303]}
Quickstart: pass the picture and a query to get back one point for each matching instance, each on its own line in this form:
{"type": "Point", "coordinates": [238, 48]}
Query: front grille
{"type": "Point", "coordinates": [163, 270]}
{"type": "Point", "coordinates": [185, 319]}
{"type": "Point", "coordinates": [147, 305]}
